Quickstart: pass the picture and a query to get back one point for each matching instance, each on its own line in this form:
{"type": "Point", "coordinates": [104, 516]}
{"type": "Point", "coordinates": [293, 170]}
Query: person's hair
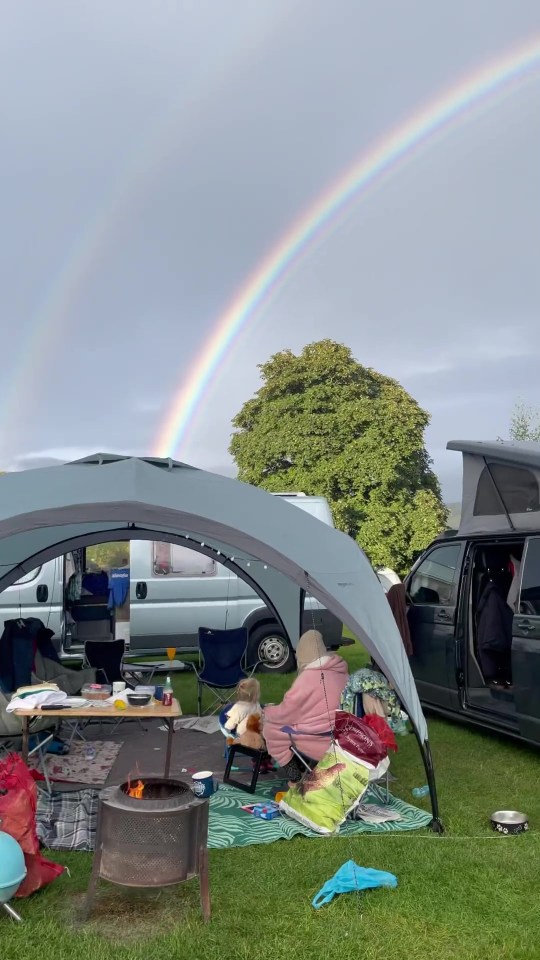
{"type": "Point", "coordinates": [248, 690]}
{"type": "Point", "coordinates": [311, 647]}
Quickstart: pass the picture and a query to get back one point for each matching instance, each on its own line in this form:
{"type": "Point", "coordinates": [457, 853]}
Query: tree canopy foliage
{"type": "Point", "coordinates": [525, 423]}
{"type": "Point", "coordinates": [323, 424]}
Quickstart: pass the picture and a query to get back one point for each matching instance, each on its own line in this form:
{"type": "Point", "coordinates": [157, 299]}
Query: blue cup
{"type": "Point", "coordinates": [158, 693]}
{"type": "Point", "coordinates": [203, 784]}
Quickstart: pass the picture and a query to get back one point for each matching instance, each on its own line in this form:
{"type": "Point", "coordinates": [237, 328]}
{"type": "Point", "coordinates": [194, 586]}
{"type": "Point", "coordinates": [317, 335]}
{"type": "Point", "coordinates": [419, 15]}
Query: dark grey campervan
{"type": "Point", "coordinates": [474, 597]}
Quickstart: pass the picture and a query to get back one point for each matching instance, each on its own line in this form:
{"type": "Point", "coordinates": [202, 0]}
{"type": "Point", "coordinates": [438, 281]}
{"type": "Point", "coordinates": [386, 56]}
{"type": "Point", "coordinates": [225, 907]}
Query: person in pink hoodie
{"type": "Point", "coordinates": [308, 706]}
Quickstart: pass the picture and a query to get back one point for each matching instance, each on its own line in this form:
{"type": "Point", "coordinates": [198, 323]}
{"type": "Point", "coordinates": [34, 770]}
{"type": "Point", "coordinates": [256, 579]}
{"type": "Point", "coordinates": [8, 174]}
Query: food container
{"type": "Point", "coordinates": [139, 699]}
{"type": "Point", "coordinates": [96, 691]}
{"type": "Point", "coordinates": [509, 821]}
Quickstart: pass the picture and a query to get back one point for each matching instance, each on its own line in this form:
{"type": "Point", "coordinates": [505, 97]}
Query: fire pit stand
{"type": "Point", "coordinates": [158, 840]}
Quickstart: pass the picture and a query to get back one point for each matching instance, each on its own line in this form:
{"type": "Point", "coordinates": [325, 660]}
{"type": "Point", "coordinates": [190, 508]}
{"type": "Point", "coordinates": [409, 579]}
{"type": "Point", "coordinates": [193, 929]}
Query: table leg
{"type": "Point", "coordinates": [25, 726]}
{"type": "Point", "coordinates": [170, 731]}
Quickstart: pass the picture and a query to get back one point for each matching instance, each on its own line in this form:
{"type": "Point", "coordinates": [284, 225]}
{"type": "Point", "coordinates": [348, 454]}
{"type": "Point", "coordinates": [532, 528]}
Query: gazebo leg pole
{"type": "Point", "coordinates": [425, 749]}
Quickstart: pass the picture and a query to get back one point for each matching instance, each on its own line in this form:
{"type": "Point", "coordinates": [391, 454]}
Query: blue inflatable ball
{"type": "Point", "coordinates": [12, 867]}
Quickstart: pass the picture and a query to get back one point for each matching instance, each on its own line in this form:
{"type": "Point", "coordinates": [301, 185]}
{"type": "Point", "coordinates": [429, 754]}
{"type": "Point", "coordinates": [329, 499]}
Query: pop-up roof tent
{"type": "Point", "coordinates": [501, 486]}
{"type": "Point", "coordinates": [282, 551]}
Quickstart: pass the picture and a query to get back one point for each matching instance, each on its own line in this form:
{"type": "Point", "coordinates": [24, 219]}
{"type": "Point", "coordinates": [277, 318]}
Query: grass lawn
{"type": "Point", "coordinates": [470, 894]}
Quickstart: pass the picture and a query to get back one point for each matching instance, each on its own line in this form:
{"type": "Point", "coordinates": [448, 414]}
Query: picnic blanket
{"type": "Point", "coordinates": [67, 820]}
{"type": "Point", "coordinates": [230, 826]}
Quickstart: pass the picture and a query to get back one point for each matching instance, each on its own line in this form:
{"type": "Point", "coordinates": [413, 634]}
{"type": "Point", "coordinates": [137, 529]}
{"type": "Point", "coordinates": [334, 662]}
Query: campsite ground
{"type": "Point", "coordinates": [468, 895]}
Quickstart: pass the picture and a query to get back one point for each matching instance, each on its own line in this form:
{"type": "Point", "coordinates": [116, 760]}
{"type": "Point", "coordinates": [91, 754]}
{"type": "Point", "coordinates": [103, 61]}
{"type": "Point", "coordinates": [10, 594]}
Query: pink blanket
{"type": "Point", "coordinates": [309, 706]}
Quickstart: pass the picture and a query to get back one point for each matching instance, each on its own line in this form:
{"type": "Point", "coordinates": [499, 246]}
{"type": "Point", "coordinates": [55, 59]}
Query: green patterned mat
{"type": "Point", "coordinates": [230, 826]}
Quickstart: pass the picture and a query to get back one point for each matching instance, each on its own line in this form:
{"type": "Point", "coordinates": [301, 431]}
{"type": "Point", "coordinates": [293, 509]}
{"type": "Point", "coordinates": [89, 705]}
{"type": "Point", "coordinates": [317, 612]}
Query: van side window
{"type": "Point", "coordinates": [28, 577]}
{"type": "Point", "coordinates": [170, 559]}
{"type": "Point", "coordinates": [529, 600]}
{"type": "Point", "coordinates": [517, 488]}
{"type": "Point", "coordinates": [433, 581]}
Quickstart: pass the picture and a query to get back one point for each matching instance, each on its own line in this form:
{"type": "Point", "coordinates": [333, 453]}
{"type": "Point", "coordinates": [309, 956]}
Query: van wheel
{"type": "Point", "coordinates": [269, 645]}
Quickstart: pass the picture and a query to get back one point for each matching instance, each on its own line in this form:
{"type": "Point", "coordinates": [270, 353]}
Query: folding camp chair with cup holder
{"type": "Point", "coordinates": [222, 664]}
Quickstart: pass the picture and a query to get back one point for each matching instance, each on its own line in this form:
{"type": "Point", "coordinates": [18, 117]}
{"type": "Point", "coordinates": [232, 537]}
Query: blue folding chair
{"type": "Point", "coordinates": [222, 664]}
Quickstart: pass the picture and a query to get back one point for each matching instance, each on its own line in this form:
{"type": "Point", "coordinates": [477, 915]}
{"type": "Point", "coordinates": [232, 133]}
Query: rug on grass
{"type": "Point", "coordinates": [230, 826]}
{"type": "Point", "coordinates": [76, 767]}
{"type": "Point", "coordinates": [66, 820]}
{"type": "Point", "coordinates": [201, 724]}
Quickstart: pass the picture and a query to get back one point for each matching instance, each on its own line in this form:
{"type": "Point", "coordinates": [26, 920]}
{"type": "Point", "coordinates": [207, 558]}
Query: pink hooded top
{"type": "Point", "coordinates": [309, 706]}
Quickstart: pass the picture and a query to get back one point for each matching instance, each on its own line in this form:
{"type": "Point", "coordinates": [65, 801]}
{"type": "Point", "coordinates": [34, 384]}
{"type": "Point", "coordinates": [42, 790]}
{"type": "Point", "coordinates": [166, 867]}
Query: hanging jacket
{"type": "Point", "coordinates": [19, 643]}
{"type": "Point", "coordinates": [494, 621]}
{"type": "Point", "coordinates": [397, 598]}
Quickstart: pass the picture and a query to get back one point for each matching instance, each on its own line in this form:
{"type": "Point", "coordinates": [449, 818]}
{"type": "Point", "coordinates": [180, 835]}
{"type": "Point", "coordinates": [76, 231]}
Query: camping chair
{"type": "Point", "coordinates": [309, 764]}
{"type": "Point", "coordinates": [11, 743]}
{"type": "Point", "coordinates": [376, 785]}
{"type": "Point", "coordinates": [222, 664]}
{"type": "Point", "coordinates": [106, 657]}
{"type": "Point", "coordinates": [260, 758]}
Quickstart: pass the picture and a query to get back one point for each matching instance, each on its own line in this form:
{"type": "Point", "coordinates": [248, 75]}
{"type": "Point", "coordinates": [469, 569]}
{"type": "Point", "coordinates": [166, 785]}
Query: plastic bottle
{"type": "Point", "coordinates": [420, 791]}
{"type": "Point", "coordinates": [167, 693]}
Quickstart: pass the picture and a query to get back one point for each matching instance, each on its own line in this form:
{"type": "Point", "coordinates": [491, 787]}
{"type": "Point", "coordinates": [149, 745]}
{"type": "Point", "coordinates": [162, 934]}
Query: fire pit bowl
{"type": "Point", "coordinates": [155, 837]}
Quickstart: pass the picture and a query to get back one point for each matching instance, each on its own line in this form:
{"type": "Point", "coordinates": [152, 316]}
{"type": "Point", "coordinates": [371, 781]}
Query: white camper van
{"type": "Point", "coordinates": [173, 591]}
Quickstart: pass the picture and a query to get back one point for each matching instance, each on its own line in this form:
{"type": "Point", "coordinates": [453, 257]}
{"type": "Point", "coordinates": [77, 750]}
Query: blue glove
{"type": "Point", "coordinates": [351, 877]}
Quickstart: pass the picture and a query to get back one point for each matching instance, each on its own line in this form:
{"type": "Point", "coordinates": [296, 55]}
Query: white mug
{"type": "Point", "coordinates": [118, 686]}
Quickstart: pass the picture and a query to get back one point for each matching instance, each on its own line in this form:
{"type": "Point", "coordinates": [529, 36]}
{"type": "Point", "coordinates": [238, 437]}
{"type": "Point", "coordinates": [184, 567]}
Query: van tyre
{"type": "Point", "coordinates": [270, 646]}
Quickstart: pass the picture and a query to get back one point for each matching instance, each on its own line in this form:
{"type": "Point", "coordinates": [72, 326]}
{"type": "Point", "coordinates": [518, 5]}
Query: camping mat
{"type": "Point", "coordinates": [230, 826]}
{"type": "Point", "coordinates": [75, 767]}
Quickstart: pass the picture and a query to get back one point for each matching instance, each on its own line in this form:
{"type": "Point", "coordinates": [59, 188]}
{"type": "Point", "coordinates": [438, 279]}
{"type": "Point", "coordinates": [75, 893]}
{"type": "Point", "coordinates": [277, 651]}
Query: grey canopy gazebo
{"type": "Point", "coordinates": [283, 552]}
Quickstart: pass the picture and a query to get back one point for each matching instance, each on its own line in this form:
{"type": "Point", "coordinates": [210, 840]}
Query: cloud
{"type": "Point", "coordinates": [148, 405]}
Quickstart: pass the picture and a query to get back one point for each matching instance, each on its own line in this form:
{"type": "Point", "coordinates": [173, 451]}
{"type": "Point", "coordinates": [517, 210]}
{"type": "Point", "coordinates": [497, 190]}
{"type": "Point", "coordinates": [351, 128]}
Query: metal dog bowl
{"type": "Point", "coordinates": [139, 699]}
{"type": "Point", "coordinates": [509, 821]}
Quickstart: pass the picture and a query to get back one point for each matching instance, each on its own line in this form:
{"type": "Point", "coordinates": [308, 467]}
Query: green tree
{"type": "Point", "coordinates": [323, 424]}
{"type": "Point", "coordinates": [106, 556]}
{"type": "Point", "coordinates": [525, 423]}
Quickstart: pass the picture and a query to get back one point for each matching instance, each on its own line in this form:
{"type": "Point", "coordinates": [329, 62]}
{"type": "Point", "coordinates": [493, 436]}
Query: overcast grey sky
{"type": "Point", "coordinates": [154, 151]}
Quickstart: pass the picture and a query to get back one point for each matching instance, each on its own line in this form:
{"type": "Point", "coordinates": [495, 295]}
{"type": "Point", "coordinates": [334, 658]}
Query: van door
{"type": "Point", "coordinates": [526, 645]}
{"type": "Point", "coordinates": [36, 594]}
{"type": "Point", "coordinates": [433, 589]}
{"type": "Point", "coordinates": [175, 590]}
